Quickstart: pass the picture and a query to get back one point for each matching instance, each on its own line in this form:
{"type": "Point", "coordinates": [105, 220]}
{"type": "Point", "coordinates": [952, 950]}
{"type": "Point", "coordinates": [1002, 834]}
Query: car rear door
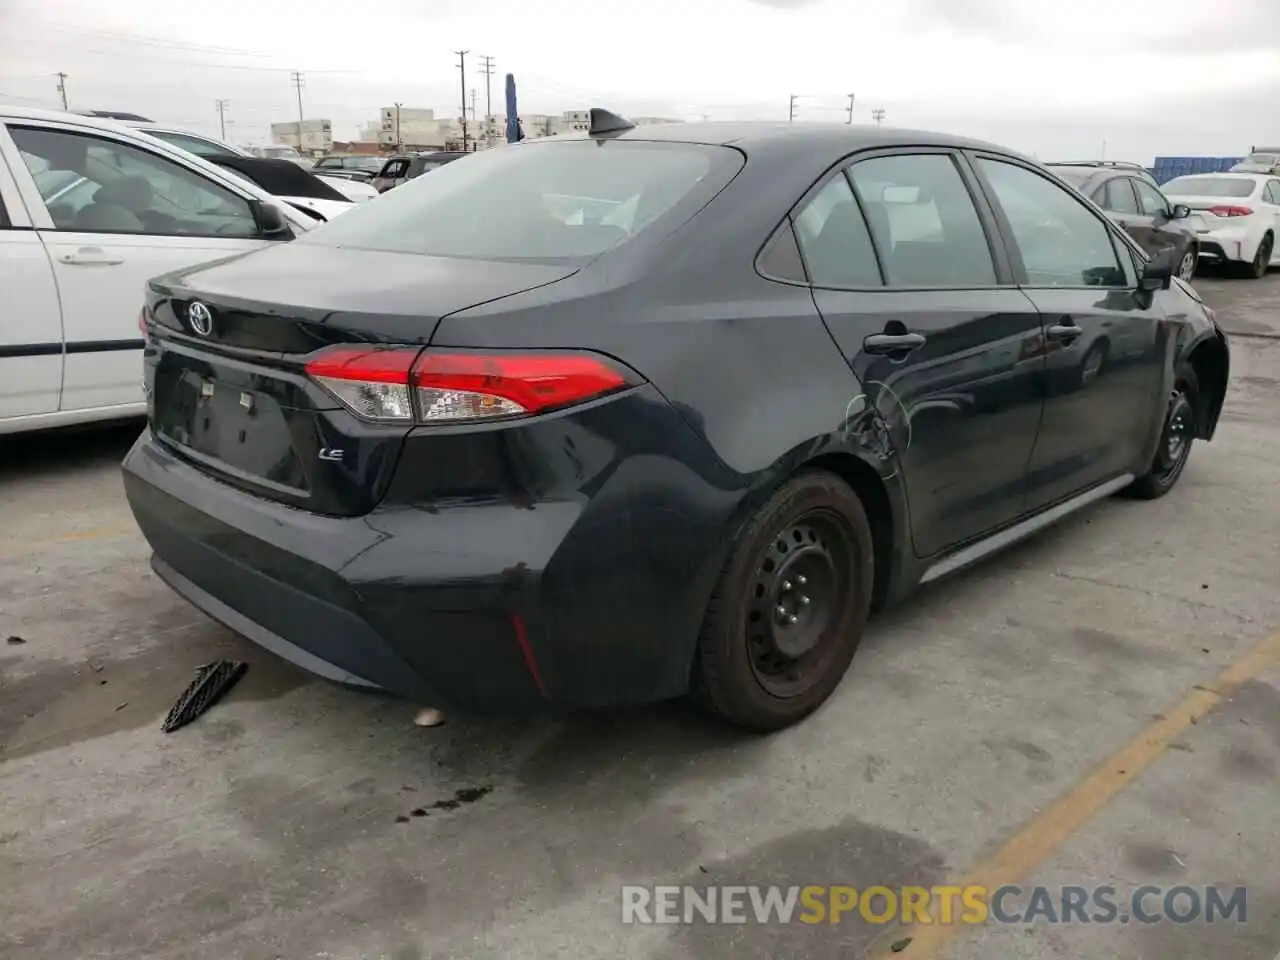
{"type": "Point", "coordinates": [1120, 201]}
{"type": "Point", "coordinates": [1106, 343]}
{"type": "Point", "coordinates": [132, 214]}
{"type": "Point", "coordinates": [919, 297]}
{"type": "Point", "coordinates": [30, 315]}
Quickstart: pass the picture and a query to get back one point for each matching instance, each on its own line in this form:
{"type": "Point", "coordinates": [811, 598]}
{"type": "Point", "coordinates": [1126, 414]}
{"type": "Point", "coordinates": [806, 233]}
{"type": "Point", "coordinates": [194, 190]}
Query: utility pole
{"type": "Point", "coordinates": [222, 116]}
{"type": "Point", "coordinates": [462, 81]}
{"type": "Point", "coordinates": [791, 110]}
{"type": "Point", "coordinates": [298, 81]}
{"type": "Point", "coordinates": [488, 97]}
{"type": "Point", "coordinates": [851, 99]}
{"type": "Point", "coordinates": [878, 115]}
{"type": "Point", "coordinates": [399, 142]}
{"type": "Point", "coordinates": [62, 88]}
{"type": "Point", "coordinates": [473, 109]}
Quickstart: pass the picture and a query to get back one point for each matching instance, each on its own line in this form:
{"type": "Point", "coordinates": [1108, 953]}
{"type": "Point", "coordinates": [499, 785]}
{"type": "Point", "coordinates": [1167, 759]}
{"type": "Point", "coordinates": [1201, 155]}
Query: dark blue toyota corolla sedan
{"type": "Point", "coordinates": [648, 411]}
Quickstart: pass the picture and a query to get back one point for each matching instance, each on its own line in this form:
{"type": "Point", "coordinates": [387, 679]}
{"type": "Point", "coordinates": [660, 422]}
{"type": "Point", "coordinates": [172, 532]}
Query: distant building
{"type": "Point", "coordinates": [308, 137]}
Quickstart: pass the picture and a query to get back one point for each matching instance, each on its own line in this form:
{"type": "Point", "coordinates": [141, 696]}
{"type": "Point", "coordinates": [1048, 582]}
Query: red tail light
{"type": "Point", "coordinates": [395, 385]}
{"type": "Point", "coordinates": [1228, 210]}
{"type": "Point", "coordinates": [142, 323]}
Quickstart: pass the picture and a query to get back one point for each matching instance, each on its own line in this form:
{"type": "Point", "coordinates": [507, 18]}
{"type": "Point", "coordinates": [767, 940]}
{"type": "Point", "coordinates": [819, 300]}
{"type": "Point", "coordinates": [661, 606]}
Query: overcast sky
{"type": "Point", "coordinates": [1053, 78]}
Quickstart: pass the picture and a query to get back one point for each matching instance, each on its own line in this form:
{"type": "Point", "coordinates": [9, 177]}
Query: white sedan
{"type": "Point", "coordinates": [1236, 216]}
{"type": "Point", "coordinates": [90, 210]}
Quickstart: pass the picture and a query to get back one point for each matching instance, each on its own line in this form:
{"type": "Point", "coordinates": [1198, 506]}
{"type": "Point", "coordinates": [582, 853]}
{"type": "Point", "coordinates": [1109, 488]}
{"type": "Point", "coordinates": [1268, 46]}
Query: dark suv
{"type": "Point", "coordinates": [354, 166]}
{"type": "Point", "coordinates": [1131, 198]}
{"type": "Point", "coordinates": [400, 168]}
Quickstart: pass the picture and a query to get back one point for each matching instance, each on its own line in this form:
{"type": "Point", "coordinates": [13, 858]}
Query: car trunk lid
{"type": "Point", "coordinates": [228, 348]}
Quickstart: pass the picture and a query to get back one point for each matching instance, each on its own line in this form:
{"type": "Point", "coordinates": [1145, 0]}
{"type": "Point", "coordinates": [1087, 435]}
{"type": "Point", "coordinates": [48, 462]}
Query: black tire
{"type": "Point", "coordinates": [1166, 466]}
{"type": "Point", "coordinates": [757, 667]}
{"type": "Point", "coordinates": [1261, 260]}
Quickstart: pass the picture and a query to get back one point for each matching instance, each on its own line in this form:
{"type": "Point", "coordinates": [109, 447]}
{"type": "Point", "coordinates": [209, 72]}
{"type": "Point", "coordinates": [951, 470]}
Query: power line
{"type": "Point", "coordinates": [62, 88]}
{"type": "Point", "coordinates": [222, 118]}
{"type": "Point", "coordinates": [462, 71]}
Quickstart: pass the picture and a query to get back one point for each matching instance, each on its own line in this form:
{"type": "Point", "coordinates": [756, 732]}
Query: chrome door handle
{"type": "Point", "coordinates": [90, 256]}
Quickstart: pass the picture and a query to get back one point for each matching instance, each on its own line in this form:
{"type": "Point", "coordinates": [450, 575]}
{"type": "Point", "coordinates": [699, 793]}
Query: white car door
{"type": "Point", "coordinates": [30, 317]}
{"type": "Point", "coordinates": [131, 214]}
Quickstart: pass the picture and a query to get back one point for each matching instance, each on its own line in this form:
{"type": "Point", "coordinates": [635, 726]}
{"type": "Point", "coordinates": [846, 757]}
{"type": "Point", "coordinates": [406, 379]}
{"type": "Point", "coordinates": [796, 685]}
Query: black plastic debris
{"type": "Point", "coordinates": [211, 681]}
{"type": "Point", "coordinates": [15, 640]}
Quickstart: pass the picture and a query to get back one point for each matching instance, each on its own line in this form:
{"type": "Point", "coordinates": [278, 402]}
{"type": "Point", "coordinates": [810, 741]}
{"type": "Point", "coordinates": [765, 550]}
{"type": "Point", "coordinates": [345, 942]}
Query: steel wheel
{"type": "Point", "coordinates": [794, 603]}
{"type": "Point", "coordinates": [790, 607]}
{"type": "Point", "coordinates": [1175, 440]}
{"type": "Point", "coordinates": [1187, 269]}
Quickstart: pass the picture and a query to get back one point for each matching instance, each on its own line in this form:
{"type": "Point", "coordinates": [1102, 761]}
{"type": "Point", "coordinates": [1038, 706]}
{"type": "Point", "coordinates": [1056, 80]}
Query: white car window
{"type": "Point", "coordinates": [122, 189]}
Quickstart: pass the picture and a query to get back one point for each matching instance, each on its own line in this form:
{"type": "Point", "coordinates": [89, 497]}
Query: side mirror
{"type": "Point", "coordinates": [1180, 211]}
{"type": "Point", "coordinates": [1158, 272]}
{"type": "Point", "coordinates": [272, 224]}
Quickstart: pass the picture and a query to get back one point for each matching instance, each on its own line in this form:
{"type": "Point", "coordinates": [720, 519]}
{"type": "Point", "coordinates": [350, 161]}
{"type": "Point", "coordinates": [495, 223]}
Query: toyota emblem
{"type": "Point", "coordinates": [200, 318]}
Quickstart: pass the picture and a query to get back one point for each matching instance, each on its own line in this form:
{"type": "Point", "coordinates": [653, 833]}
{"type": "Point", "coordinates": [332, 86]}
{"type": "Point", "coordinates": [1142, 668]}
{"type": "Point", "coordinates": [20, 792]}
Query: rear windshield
{"type": "Point", "coordinates": [546, 201]}
{"type": "Point", "coordinates": [1263, 159]}
{"type": "Point", "coordinates": [1208, 187]}
{"type": "Point", "coordinates": [1073, 175]}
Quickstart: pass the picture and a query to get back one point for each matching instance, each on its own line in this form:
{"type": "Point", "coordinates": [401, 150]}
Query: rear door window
{"type": "Point", "coordinates": [1119, 196]}
{"type": "Point", "coordinates": [544, 201]}
{"type": "Point", "coordinates": [926, 228]}
{"type": "Point", "coordinates": [834, 239]}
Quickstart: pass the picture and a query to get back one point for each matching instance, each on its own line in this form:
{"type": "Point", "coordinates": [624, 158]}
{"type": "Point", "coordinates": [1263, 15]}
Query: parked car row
{"type": "Point", "coordinates": [1231, 218]}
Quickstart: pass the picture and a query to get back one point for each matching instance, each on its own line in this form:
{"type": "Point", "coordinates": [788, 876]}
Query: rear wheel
{"type": "Point", "coordinates": [1187, 267]}
{"type": "Point", "coordinates": [1178, 433]}
{"type": "Point", "coordinates": [1262, 259]}
{"type": "Point", "coordinates": [790, 607]}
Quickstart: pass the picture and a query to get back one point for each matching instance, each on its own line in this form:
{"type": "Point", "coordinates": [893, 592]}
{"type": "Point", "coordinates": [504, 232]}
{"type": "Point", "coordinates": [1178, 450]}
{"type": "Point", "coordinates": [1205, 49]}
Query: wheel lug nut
{"type": "Point", "coordinates": [802, 579]}
{"type": "Point", "coordinates": [803, 600]}
{"type": "Point", "coordinates": [792, 619]}
{"type": "Point", "coordinates": [786, 585]}
{"type": "Point", "coordinates": [782, 611]}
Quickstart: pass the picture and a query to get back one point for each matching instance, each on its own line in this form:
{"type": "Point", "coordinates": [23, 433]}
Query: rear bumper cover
{"type": "Point", "coordinates": [576, 602]}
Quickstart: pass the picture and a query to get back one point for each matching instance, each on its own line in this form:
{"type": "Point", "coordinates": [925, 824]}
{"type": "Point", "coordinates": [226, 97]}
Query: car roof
{"type": "Point", "coordinates": [835, 139]}
{"type": "Point", "coordinates": [754, 133]}
{"type": "Point", "coordinates": [1237, 175]}
{"type": "Point", "coordinates": [84, 120]}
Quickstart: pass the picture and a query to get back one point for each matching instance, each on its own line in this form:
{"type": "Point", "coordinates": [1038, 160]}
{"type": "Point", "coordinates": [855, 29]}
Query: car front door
{"type": "Point", "coordinates": [30, 316]}
{"type": "Point", "coordinates": [129, 215]}
{"type": "Point", "coordinates": [1163, 230]}
{"type": "Point", "coordinates": [1106, 355]}
{"type": "Point", "coordinates": [920, 299]}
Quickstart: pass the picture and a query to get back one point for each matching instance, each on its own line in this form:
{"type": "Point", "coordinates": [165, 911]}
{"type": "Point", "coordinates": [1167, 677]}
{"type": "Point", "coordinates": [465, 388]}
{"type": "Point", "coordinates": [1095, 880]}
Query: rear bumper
{"type": "Point", "coordinates": [493, 605]}
{"type": "Point", "coordinates": [1227, 245]}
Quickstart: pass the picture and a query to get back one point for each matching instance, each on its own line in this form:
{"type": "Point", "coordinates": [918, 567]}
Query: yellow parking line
{"type": "Point", "coordinates": [1037, 840]}
{"type": "Point", "coordinates": [20, 547]}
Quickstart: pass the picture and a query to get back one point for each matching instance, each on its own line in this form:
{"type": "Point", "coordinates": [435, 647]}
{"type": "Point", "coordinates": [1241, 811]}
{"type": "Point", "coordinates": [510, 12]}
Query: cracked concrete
{"type": "Point", "coordinates": [283, 823]}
